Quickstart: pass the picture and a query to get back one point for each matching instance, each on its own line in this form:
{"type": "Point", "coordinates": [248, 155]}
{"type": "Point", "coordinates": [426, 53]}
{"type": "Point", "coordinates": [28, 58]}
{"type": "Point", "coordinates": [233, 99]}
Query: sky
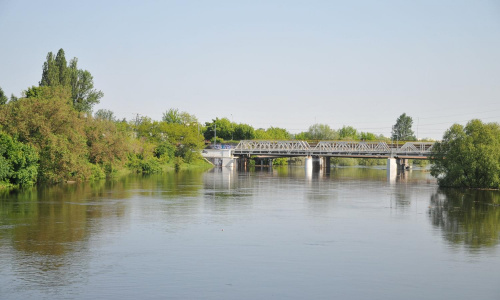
{"type": "Point", "coordinates": [288, 64]}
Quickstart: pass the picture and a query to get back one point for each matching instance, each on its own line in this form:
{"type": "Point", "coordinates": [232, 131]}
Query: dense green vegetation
{"type": "Point", "coordinates": [49, 135]}
{"type": "Point", "coordinates": [468, 156]}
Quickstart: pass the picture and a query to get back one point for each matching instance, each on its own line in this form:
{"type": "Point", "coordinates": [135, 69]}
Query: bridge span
{"type": "Point", "coordinates": [357, 149]}
{"type": "Point", "coordinates": [318, 155]}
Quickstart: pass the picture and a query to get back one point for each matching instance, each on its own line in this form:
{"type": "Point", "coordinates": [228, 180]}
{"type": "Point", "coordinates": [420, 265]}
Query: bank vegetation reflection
{"type": "Point", "coordinates": [470, 218]}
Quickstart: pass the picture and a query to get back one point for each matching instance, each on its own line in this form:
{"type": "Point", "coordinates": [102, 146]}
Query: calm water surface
{"type": "Point", "coordinates": [281, 234]}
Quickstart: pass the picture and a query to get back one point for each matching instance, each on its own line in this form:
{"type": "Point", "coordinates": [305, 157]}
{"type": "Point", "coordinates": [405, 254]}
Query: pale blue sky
{"type": "Point", "coordinates": [270, 63]}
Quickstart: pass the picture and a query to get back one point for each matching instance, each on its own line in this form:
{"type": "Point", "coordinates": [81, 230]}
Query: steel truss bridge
{"type": "Point", "coordinates": [409, 150]}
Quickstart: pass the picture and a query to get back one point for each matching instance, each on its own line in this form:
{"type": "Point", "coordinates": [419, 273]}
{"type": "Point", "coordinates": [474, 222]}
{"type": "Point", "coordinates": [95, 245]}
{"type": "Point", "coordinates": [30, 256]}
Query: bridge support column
{"type": "Point", "coordinates": [308, 163]}
{"type": "Point", "coordinates": [270, 163]}
{"type": "Point", "coordinates": [402, 163]}
{"type": "Point", "coordinates": [317, 162]}
{"type": "Point", "coordinates": [242, 163]}
{"type": "Point", "coordinates": [327, 164]}
{"type": "Point", "coordinates": [392, 169]}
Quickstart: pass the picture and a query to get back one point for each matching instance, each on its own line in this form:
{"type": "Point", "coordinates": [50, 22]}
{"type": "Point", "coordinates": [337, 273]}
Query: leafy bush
{"type": "Point", "coordinates": [18, 162]}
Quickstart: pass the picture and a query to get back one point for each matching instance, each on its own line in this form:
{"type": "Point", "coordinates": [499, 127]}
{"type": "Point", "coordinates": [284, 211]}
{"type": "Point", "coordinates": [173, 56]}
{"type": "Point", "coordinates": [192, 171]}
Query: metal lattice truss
{"type": "Point", "coordinates": [334, 148]}
{"type": "Point", "coordinates": [293, 148]}
{"type": "Point", "coordinates": [415, 147]}
{"type": "Point", "coordinates": [351, 147]}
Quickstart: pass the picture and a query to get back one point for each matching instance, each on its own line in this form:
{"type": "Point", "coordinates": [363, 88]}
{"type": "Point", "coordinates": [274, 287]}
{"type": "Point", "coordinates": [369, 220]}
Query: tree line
{"type": "Point", "coordinates": [50, 134]}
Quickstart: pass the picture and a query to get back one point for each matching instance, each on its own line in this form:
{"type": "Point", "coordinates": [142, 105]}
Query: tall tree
{"type": "Point", "coordinates": [62, 68]}
{"type": "Point", "coordinates": [56, 72]}
{"type": "Point", "coordinates": [50, 72]}
{"type": "Point", "coordinates": [402, 129]}
{"type": "Point", "coordinates": [83, 94]}
{"type": "Point", "coordinates": [3, 98]}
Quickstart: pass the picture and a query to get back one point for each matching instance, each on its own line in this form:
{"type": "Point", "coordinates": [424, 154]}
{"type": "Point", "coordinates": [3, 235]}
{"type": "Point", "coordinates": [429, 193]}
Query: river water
{"type": "Point", "coordinates": [280, 234]}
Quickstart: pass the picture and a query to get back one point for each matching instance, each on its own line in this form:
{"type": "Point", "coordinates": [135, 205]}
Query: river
{"type": "Point", "coordinates": [280, 234]}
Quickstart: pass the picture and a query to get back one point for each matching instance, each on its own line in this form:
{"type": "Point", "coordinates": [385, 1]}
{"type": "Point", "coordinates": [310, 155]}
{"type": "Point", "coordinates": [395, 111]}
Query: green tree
{"type": "Point", "coordinates": [368, 136]}
{"type": "Point", "coordinates": [468, 156]}
{"type": "Point", "coordinates": [348, 133]}
{"type": "Point", "coordinates": [272, 133]}
{"type": "Point", "coordinates": [244, 132]}
{"type": "Point", "coordinates": [105, 114]}
{"type": "Point", "coordinates": [223, 127]}
{"type": "Point", "coordinates": [172, 116]}
{"type": "Point", "coordinates": [62, 68]}
{"type": "Point", "coordinates": [83, 94]}
{"type": "Point", "coordinates": [50, 72]}
{"type": "Point", "coordinates": [321, 132]}
{"type": "Point", "coordinates": [402, 129]}
{"type": "Point", "coordinates": [3, 98]}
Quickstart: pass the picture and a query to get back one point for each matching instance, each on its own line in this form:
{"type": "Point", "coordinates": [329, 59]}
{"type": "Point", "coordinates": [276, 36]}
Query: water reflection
{"type": "Point", "coordinates": [71, 240]}
{"type": "Point", "coordinates": [470, 218]}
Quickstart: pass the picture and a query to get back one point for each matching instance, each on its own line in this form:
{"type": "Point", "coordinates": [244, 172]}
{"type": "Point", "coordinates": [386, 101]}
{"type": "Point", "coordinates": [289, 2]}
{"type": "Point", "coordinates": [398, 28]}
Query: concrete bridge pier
{"type": "Point", "coordinates": [392, 170]}
{"type": "Point", "coordinates": [326, 164]}
{"type": "Point", "coordinates": [308, 163]}
{"type": "Point", "coordinates": [242, 163]}
{"type": "Point", "coordinates": [317, 163]}
{"type": "Point", "coordinates": [402, 163]}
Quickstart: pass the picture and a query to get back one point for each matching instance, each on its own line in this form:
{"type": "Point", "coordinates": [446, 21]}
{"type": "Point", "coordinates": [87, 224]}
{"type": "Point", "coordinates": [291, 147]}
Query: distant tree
{"type": "Point", "coordinates": [367, 136]}
{"type": "Point", "coordinates": [402, 129]}
{"type": "Point", "coordinates": [321, 132]}
{"type": "Point", "coordinates": [272, 133]}
{"type": "Point", "coordinates": [3, 98]}
{"type": "Point", "coordinates": [105, 114]}
{"type": "Point", "coordinates": [468, 156]}
{"type": "Point", "coordinates": [172, 116]}
{"type": "Point", "coordinates": [244, 132]}
{"type": "Point", "coordinates": [13, 98]}
{"type": "Point", "coordinates": [188, 119]}
{"type": "Point", "coordinates": [302, 136]}
{"type": "Point", "coordinates": [223, 127]}
{"type": "Point", "coordinates": [348, 133]}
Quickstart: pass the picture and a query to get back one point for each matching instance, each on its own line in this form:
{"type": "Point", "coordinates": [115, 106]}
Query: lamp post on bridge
{"type": "Point", "coordinates": [215, 135]}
